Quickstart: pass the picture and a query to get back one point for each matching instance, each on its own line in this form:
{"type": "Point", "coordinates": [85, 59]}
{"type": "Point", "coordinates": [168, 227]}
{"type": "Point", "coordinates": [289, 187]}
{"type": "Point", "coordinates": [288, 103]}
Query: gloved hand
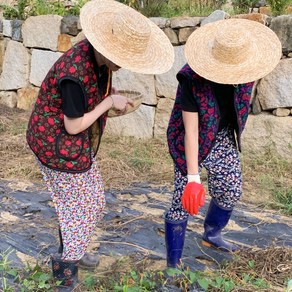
{"type": "Point", "coordinates": [193, 197]}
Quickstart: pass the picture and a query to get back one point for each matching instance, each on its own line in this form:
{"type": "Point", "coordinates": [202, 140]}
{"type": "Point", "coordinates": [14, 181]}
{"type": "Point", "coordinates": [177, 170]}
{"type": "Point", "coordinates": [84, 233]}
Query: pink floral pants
{"type": "Point", "coordinates": [79, 201]}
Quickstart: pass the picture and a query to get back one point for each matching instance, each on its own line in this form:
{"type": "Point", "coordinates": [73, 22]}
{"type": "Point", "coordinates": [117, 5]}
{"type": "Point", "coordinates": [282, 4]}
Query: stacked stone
{"type": "Point", "coordinates": [28, 49]}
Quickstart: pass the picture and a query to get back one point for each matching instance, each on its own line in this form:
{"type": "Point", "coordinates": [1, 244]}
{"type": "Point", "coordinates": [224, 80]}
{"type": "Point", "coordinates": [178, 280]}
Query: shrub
{"type": "Point", "coordinates": [279, 7]}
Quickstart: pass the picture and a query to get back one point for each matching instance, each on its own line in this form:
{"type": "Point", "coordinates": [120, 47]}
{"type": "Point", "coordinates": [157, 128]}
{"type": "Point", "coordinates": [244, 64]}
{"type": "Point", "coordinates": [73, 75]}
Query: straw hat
{"type": "Point", "coordinates": [126, 37]}
{"type": "Point", "coordinates": [233, 51]}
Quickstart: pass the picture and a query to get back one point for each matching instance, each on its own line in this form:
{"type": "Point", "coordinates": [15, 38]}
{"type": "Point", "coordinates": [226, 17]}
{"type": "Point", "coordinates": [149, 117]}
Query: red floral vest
{"type": "Point", "coordinates": [46, 134]}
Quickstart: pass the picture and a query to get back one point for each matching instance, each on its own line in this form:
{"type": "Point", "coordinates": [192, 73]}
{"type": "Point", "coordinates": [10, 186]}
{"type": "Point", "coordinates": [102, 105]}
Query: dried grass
{"type": "Point", "coordinates": [122, 160]}
{"type": "Point", "coordinates": [273, 264]}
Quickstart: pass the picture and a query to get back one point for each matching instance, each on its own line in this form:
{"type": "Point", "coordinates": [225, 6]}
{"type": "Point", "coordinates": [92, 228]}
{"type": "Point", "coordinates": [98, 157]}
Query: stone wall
{"type": "Point", "coordinates": [28, 49]}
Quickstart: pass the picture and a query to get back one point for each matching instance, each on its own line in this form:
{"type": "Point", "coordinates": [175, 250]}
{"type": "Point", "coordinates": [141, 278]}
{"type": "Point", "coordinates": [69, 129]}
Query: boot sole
{"type": "Point", "coordinates": [208, 244]}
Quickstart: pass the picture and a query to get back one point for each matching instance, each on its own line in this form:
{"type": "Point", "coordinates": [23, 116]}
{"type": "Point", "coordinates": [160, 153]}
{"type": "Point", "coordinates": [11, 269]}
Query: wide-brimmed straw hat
{"type": "Point", "coordinates": [233, 51]}
{"type": "Point", "coordinates": [126, 37]}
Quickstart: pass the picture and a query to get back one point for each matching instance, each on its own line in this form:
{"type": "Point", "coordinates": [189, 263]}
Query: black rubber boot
{"type": "Point", "coordinates": [65, 272]}
{"type": "Point", "coordinates": [87, 262]}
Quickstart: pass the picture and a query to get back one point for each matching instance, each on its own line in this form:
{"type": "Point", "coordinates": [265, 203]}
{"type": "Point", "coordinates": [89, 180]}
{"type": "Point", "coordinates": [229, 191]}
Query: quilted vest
{"type": "Point", "coordinates": [209, 117]}
{"type": "Point", "coordinates": [46, 134]}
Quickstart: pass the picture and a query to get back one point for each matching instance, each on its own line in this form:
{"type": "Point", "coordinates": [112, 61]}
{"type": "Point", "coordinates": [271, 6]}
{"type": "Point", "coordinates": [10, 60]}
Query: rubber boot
{"type": "Point", "coordinates": [65, 272]}
{"type": "Point", "coordinates": [87, 262]}
{"type": "Point", "coordinates": [216, 219]}
{"type": "Point", "coordinates": [174, 241]}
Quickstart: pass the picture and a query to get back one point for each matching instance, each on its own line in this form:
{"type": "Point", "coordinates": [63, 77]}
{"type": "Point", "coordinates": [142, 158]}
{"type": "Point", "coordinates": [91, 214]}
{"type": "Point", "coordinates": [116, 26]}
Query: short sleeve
{"type": "Point", "coordinates": [188, 102]}
{"type": "Point", "coordinates": [73, 103]}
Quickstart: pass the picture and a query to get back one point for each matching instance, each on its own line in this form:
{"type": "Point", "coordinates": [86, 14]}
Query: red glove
{"type": "Point", "coordinates": [193, 197]}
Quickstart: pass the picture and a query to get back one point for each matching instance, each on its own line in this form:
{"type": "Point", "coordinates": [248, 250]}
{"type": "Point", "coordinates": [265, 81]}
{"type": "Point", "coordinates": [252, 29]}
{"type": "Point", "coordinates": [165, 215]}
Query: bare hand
{"type": "Point", "coordinates": [121, 102]}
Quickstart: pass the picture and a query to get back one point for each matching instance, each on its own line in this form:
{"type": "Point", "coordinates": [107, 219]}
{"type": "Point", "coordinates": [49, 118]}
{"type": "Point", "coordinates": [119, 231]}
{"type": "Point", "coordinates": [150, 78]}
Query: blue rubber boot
{"type": "Point", "coordinates": [174, 241]}
{"type": "Point", "coordinates": [216, 219]}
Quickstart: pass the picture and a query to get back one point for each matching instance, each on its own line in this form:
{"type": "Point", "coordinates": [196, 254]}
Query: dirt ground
{"type": "Point", "coordinates": [126, 161]}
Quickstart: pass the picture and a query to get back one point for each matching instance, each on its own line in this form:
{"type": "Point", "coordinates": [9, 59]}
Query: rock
{"type": "Point", "coordinates": [78, 38]}
{"type": "Point", "coordinates": [214, 16]}
{"type": "Point", "coordinates": [69, 25]}
{"type": "Point", "coordinates": [42, 31]}
{"type": "Point", "coordinates": [282, 26]}
{"type": "Point", "coordinates": [266, 131]}
{"type": "Point", "coordinates": [15, 70]}
{"type": "Point", "coordinates": [255, 104]}
{"type": "Point", "coordinates": [281, 112]}
{"type": "Point", "coordinates": [26, 97]}
{"type": "Point", "coordinates": [7, 28]}
{"type": "Point", "coordinates": [159, 21]}
{"type": "Point", "coordinates": [166, 83]}
{"type": "Point", "coordinates": [2, 52]}
{"type": "Point", "coordinates": [126, 80]}
{"type": "Point", "coordinates": [64, 42]}
{"type": "Point", "coordinates": [41, 62]}
{"type": "Point", "coordinates": [8, 98]}
{"type": "Point", "coordinates": [184, 33]}
{"type": "Point", "coordinates": [261, 18]}
{"type": "Point", "coordinates": [265, 10]}
{"type": "Point", "coordinates": [183, 22]}
{"type": "Point", "coordinates": [162, 115]}
{"type": "Point", "coordinates": [139, 123]}
{"type": "Point", "coordinates": [171, 34]}
{"type": "Point", "coordinates": [16, 34]}
{"type": "Point", "coordinates": [274, 90]}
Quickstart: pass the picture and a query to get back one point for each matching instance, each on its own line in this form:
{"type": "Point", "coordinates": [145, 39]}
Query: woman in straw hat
{"type": "Point", "coordinates": [207, 120]}
{"type": "Point", "coordinates": [71, 109]}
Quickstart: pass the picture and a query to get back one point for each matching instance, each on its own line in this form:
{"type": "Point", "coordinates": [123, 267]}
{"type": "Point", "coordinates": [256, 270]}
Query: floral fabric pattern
{"type": "Point", "coordinates": [79, 201]}
{"type": "Point", "coordinates": [208, 117]}
{"type": "Point", "coordinates": [224, 177]}
{"type": "Point", "coordinates": [46, 133]}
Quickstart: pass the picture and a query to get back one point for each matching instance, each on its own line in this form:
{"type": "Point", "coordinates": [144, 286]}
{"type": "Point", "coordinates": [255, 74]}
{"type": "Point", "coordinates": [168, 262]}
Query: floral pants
{"type": "Point", "coordinates": [79, 201]}
{"type": "Point", "coordinates": [224, 176]}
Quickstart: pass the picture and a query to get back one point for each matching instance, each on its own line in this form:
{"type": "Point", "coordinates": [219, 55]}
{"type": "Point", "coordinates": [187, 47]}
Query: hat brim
{"type": "Point", "coordinates": [265, 53]}
{"type": "Point", "coordinates": [97, 19]}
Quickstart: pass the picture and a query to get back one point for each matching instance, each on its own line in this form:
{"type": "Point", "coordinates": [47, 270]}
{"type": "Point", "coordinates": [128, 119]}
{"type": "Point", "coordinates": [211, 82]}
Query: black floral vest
{"type": "Point", "coordinates": [46, 134]}
{"type": "Point", "coordinates": [209, 116]}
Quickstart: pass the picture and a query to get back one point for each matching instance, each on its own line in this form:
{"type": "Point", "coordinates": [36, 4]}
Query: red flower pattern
{"type": "Point", "coordinates": [42, 137]}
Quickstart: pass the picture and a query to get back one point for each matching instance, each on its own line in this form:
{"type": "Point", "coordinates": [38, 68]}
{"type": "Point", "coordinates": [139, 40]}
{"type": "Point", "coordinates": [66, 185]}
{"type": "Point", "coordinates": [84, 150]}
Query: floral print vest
{"type": "Point", "coordinates": [209, 117]}
{"type": "Point", "coordinates": [46, 134]}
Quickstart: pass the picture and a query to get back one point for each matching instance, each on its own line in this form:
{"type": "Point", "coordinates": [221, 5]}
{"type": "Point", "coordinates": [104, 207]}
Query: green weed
{"type": "Point", "coordinates": [279, 7]}
{"type": "Point", "coordinates": [31, 278]}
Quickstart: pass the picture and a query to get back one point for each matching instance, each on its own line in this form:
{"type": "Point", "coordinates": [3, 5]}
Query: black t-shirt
{"type": "Point", "coordinates": [224, 95]}
{"type": "Point", "coordinates": [73, 105]}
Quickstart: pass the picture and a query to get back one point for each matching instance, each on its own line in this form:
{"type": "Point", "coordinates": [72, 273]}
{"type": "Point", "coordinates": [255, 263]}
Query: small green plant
{"type": "Point", "coordinates": [172, 8]}
{"type": "Point", "coordinates": [283, 200]}
{"type": "Point", "coordinates": [25, 8]}
{"type": "Point", "coordinates": [242, 6]}
{"type": "Point", "coordinates": [15, 12]}
{"type": "Point", "coordinates": [279, 7]}
{"type": "Point", "coordinates": [31, 278]}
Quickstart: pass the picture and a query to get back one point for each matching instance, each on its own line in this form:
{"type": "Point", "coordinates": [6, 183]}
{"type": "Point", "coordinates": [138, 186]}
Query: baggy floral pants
{"type": "Point", "coordinates": [224, 176]}
{"type": "Point", "coordinates": [79, 201]}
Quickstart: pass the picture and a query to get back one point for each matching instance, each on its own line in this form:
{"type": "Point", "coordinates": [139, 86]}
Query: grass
{"type": "Point", "coordinates": [124, 161]}
{"type": "Point", "coordinates": [250, 270]}
{"type": "Point", "coordinates": [127, 160]}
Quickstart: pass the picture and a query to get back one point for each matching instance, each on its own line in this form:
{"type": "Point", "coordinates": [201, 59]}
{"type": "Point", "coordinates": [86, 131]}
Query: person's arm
{"type": "Point", "coordinates": [76, 125]}
{"type": "Point", "coordinates": [191, 124]}
{"type": "Point", "coordinates": [190, 119]}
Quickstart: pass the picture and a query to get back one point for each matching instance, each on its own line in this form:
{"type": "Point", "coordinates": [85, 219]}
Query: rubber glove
{"type": "Point", "coordinates": [193, 196]}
